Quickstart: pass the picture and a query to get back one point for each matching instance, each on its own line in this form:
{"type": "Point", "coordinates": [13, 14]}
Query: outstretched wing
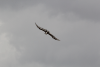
{"type": "Point", "coordinates": [47, 33]}
{"type": "Point", "coordinates": [40, 28]}
{"type": "Point", "coordinates": [53, 36]}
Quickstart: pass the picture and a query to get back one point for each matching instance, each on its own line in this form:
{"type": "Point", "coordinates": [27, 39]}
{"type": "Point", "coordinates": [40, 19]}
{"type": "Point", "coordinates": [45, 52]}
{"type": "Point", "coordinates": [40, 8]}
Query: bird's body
{"type": "Point", "coordinates": [47, 32]}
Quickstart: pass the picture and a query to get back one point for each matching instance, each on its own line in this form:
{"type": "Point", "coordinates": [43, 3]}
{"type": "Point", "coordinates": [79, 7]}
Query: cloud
{"type": "Point", "coordinates": [86, 9]}
{"type": "Point", "coordinates": [8, 53]}
{"type": "Point", "coordinates": [79, 45]}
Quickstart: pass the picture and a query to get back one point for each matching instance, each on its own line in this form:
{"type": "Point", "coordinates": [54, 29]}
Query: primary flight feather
{"type": "Point", "coordinates": [47, 32]}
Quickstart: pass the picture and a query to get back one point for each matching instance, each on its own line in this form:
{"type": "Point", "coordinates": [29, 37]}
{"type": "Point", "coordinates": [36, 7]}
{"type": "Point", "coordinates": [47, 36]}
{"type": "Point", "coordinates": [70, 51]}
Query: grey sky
{"type": "Point", "coordinates": [86, 9]}
{"type": "Point", "coordinates": [74, 22]}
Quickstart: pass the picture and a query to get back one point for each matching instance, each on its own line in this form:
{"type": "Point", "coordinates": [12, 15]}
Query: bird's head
{"type": "Point", "coordinates": [45, 33]}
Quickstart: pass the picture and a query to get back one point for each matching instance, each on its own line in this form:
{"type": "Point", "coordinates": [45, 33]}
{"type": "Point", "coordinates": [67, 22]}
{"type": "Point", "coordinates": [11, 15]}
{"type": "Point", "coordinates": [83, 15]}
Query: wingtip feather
{"type": "Point", "coordinates": [58, 40]}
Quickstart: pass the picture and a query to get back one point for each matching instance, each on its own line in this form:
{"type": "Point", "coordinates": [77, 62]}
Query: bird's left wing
{"type": "Point", "coordinates": [41, 28]}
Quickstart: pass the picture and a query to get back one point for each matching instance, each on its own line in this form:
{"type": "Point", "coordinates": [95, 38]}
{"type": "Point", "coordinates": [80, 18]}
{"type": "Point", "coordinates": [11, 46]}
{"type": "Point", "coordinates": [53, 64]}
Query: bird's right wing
{"type": "Point", "coordinates": [53, 37]}
{"type": "Point", "coordinates": [40, 28]}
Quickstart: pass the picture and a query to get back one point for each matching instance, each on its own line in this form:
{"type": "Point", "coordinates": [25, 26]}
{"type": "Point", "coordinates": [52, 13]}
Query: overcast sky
{"type": "Point", "coordinates": [75, 22]}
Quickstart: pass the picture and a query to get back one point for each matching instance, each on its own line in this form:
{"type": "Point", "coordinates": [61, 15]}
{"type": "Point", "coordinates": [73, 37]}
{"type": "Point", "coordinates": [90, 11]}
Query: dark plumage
{"type": "Point", "coordinates": [47, 32]}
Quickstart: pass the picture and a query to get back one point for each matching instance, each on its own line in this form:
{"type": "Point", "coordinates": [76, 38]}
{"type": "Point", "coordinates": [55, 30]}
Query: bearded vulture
{"type": "Point", "coordinates": [47, 32]}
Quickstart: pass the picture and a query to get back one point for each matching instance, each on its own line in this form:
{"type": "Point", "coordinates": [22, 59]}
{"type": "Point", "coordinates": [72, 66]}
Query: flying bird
{"type": "Point", "coordinates": [47, 32]}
